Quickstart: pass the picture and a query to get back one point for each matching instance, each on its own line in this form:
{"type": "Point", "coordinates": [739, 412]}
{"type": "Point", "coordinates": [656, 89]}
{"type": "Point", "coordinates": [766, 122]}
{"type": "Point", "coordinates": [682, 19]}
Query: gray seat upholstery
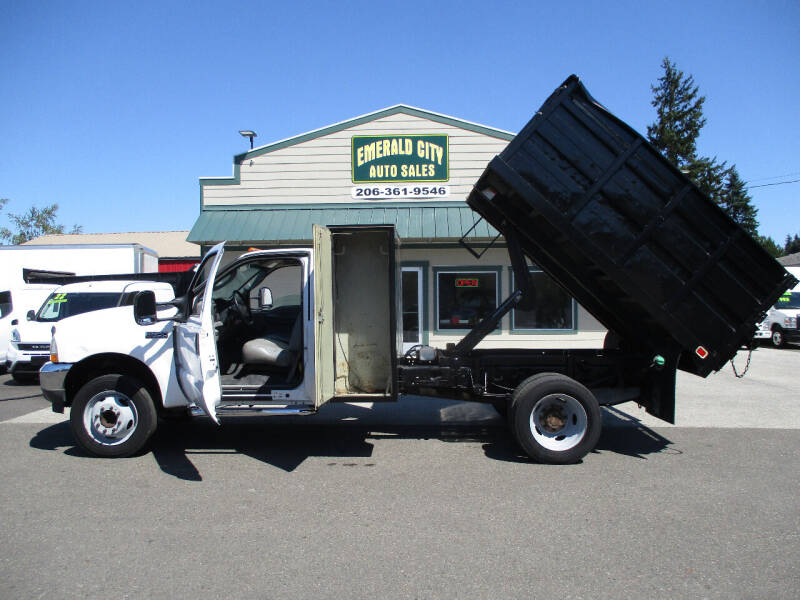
{"type": "Point", "coordinates": [271, 351]}
{"type": "Point", "coordinates": [265, 351]}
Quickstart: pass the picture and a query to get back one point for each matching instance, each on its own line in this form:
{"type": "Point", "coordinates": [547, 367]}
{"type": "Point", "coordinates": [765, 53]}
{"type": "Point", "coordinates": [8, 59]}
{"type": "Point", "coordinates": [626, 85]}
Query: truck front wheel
{"type": "Point", "coordinates": [555, 419]}
{"type": "Point", "coordinates": [113, 416]}
{"type": "Point", "coordinates": [777, 337]}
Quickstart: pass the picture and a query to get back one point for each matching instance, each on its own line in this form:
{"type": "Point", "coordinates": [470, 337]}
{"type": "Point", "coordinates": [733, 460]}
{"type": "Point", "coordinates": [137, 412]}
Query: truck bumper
{"type": "Point", "coordinates": [25, 364]}
{"type": "Point", "coordinates": [792, 335]}
{"type": "Point", "coordinates": [51, 380]}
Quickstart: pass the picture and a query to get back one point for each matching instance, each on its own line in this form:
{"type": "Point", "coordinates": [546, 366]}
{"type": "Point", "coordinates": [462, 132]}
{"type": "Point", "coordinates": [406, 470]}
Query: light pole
{"type": "Point", "coordinates": [249, 134]}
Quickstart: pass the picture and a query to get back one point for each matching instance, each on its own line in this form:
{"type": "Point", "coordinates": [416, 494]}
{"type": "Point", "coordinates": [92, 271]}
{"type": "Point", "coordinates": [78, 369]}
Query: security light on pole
{"type": "Point", "coordinates": [249, 134]}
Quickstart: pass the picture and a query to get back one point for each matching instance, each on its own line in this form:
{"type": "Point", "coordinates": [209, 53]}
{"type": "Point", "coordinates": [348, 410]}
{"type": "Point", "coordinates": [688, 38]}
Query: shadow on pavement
{"type": "Point", "coordinates": [286, 442]}
{"type": "Point", "coordinates": [624, 434]}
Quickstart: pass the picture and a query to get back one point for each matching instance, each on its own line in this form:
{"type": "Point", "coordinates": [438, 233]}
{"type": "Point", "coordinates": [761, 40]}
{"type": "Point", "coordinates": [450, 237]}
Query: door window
{"type": "Point", "coordinates": [412, 306]}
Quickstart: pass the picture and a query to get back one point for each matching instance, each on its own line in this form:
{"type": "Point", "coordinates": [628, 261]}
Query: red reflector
{"type": "Point", "coordinates": [701, 352]}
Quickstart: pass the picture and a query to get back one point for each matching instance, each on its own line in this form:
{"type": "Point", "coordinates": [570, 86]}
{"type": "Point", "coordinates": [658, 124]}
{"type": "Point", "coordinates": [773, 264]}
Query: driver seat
{"type": "Point", "coordinates": [273, 351]}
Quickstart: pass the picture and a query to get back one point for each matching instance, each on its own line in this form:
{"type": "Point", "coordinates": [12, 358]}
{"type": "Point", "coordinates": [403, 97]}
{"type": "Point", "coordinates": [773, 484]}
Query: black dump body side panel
{"type": "Point", "coordinates": [627, 234]}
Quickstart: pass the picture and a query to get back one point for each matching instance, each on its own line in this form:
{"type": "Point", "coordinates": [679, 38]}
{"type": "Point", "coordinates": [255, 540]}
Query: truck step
{"type": "Point", "coordinates": [255, 409]}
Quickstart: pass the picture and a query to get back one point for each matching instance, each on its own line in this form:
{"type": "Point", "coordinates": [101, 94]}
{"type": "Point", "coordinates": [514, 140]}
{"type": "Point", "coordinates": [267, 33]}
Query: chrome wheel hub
{"type": "Point", "coordinates": [558, 422]}
{"type": "Point", "coordinates": [110, 418]}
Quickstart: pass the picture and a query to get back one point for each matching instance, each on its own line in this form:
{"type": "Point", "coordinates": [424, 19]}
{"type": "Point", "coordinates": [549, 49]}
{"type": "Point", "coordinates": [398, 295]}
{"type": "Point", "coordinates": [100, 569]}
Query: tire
{"type": "Point", "coordinates": [777, 338]}
{"type": "Point", "coordinates": [555, 419]}
{"type": "Point", "coordinates": [113, 416]}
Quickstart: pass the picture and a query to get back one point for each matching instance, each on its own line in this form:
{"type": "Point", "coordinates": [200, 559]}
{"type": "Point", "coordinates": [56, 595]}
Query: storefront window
{"type": "Point", "coordinates": [553, 308]}
{"type": "Point", "coordinates": [464, 298]}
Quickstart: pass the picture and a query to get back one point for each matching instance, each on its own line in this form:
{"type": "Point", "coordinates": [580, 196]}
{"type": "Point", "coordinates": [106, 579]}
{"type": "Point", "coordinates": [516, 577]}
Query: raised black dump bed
{"type": "Point", "coordinates": [628, 235]}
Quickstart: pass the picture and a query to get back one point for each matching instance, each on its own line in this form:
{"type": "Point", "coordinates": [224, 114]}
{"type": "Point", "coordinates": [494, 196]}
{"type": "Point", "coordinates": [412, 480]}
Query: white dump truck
{"type": "Point", "coordinates": [678, 284]}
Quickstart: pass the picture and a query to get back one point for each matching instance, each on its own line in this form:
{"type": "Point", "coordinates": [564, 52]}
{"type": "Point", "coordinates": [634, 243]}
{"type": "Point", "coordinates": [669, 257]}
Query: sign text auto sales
{"type": "Point", "coordinates": [388, 158]}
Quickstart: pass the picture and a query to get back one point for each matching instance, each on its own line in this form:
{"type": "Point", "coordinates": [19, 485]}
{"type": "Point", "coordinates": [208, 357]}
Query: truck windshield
{"type": "Point", "coordinates": [788, 300]}
{"type": "Point", "coordinates": [5, 304]}
{"type": "Point", "coordinates": [60, 306]}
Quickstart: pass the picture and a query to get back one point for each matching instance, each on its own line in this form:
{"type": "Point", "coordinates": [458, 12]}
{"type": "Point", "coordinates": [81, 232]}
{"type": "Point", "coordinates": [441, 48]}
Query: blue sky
{"type": "Point", "coordinates": [113, 110]}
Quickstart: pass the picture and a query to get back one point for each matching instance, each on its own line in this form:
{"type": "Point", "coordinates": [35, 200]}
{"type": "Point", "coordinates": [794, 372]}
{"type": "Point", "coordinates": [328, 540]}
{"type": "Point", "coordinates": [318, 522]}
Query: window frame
{"type": "Point", "coordinates": [466, 269]}
{"type": "Point", "coordinates": [424, 265]}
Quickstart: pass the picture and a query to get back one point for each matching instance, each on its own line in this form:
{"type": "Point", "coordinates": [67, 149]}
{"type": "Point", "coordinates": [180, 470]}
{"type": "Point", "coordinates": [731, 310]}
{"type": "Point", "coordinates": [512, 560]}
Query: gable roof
{"type": "Point", "coordinates": [374, 116]}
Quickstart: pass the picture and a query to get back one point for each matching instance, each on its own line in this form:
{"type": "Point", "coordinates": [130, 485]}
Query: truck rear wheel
{"type": "Point", "coordinates": [113, 416]}
{"type": "Point", "coordinates": [555, 419]}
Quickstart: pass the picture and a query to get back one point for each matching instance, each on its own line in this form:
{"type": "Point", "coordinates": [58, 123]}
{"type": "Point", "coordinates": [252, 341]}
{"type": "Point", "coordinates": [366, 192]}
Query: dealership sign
{"type": "Point", "coordinates": [399, 158]}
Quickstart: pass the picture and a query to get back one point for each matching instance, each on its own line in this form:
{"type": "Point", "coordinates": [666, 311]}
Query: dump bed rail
{"type": "Point", "coordinates": [627, 234]}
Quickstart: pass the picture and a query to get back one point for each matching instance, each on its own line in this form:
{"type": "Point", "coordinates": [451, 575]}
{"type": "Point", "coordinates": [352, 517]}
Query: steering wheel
{"type": "Point", "coordinates": [242, 307]}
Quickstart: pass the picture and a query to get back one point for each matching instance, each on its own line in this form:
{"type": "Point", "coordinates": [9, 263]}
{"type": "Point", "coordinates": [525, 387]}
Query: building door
{"type": "Point", "coordinates": [412, 306]}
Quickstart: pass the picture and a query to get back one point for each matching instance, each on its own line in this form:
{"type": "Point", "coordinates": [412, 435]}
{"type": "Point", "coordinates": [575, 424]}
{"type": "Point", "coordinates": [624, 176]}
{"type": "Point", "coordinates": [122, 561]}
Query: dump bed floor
{"type": "Point", "coordinates": [627, 234]}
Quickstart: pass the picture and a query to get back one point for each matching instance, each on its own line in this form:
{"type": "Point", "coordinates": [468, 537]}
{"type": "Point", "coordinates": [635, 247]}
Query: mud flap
{"type": "Point", "coordinates": [658, 391]}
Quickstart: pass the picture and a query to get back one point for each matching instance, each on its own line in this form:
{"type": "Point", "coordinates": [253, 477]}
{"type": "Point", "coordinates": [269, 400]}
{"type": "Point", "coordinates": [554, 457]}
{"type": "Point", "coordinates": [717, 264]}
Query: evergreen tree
{"type": "Point", "coordinates": [770, 246]}
{"type": "Point", "coordinates": [736, 202]}
{"type": "Point", "coordinates": [792, 244]}
{"type": "Point", "coordinates": [679, 111]}
{"type": "Point", "coordinates": [708, 175]}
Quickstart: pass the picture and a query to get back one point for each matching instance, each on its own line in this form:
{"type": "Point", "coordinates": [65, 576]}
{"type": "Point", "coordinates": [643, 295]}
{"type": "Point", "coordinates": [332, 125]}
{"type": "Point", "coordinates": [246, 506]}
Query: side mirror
{"type": "Point", "coordinates": [144, 307]}
{"type": "Point", "coordinates": [265, 297]}
{"type": "Point", "coordinates": [31, 315]}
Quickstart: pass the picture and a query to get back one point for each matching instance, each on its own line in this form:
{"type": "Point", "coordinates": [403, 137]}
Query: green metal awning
{"type": "Point", "coordinates": [431, 222]}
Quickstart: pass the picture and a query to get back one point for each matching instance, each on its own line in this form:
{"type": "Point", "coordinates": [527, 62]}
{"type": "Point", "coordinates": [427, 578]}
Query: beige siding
{"type": "Point", "coordinates": [319, 170]}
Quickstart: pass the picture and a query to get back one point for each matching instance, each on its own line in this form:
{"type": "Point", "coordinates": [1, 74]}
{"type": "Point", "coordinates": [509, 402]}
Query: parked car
{"type": "Point", "coordinates": [782, 324]}
{"type": "Point", "coordinates": [29, 345]}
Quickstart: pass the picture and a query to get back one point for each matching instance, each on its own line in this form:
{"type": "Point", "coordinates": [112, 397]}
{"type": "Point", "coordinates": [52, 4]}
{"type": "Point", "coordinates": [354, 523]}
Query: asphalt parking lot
{"type": "Point", "coordinates": [420, 499]}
